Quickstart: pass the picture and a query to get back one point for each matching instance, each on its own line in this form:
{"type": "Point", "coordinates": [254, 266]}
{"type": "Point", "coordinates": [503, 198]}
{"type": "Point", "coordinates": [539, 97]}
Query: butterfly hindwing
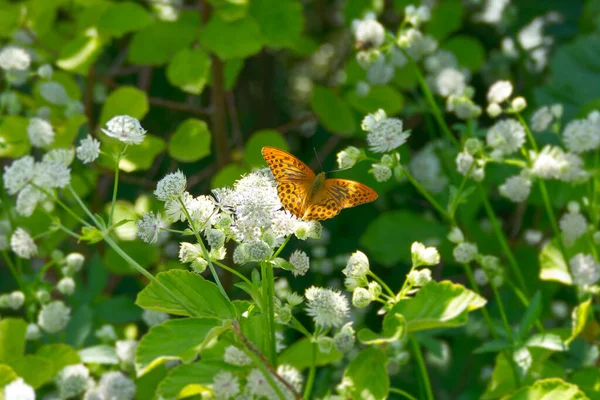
{"type": "Point", "coordinates": [335, 195]}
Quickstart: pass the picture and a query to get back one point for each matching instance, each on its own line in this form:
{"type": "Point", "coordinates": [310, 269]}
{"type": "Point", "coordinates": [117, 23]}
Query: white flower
{"type": "Point", "coordinates": [581, 135]}
{"type": "Point", "coordinates": [93, 394]}
{"type": "Point", "coordinates": [386, 135]}
{"type": "Point", "coordinates": [450, 81]}
{"type": "Point", "coordinates": [235, 356]}
{"type": "Point", "coordinates": [541, 119]}
{"type": "Point", "coordinates": [88, 149]}
{"type": "Point", "coordinates": [258, 386]}
{"type": "Point", "coordinates": [493, 110]}
{"type": "Point", "coordinates": [572, 225]}
{"type": "Point", "coordinates": [463, 107]}
{"type": "Point", "coordinates": [43, 296]}
{"type": "Point", "coordinates": [149, 227]}
{"type": "Point", "coordinates": [51, 174]}
{"type": "Point", "coordinates": [283, 223]}
{"type": "Point", "coordinates": [152, 318]}
{"type": "Point", "coordinates": [585, 269]}
{"type": "Point", "coordinates": [416, 15]}
{"type": "Point", "coordinates": [465, 252]}
{"type": "Point", "coordinates": [368, 33]}
{"type": "Point", "coordinates": [300, 262]}
{"type": "Point", "coordinates": [18, 389]}
{"type": "Point", "coordinates": [18, 174]}
{"type": "Point", "coordinates": [348, 157]}
{"type": "Point", "coordinates": [381, 172]}
{"type": "Point", "coordinates": [516, 188]}
{"type": "Point", "coordinates": [361, 297]}
{"type": "Point", "coordinates": [45, 71]}
{"type": "Point", "coordinates": [533, 237]}
{"type": "Point", "coordinates": [40, 132]}
{"type": "Point", "coordinates": [560, 309]}
{"type": "Point", "coordinates": [416, 44]}
{"type": "Point", "coordinates": [66, 286]}
{"type": "Point", "coordinates": [225, 385]}
{"type": "Point", "coordinates": [171, 187]}
{"type": "Point", "coordinates": [480, 277]}
{"type": "Point", "coordinates": [22, 244]}
{"type": "Point", "coordinates": [13, 58]}
{"type": "Point", "coordinates": [507, 136]}
{"type": "Point", "coordinates": [327, 307]}
{"type": "Point", "coordinates": [371, 120]}
{"type": "Point", "coordinates": [492, 11]}
{"type": "Point", "coordinates": [33, 332]}
{"type": "Point", "coordinates": [422, 255]}
{"type": "Point", "coordinates": [126, 350]}
{"type": "Point", "coordinates": [357, 265]}
{"type": "Point", "coordinates": [499, 92]}
{"type": "Point", "coordinates": [126, 129]}
{"type": "Point", "coordinates": [63, 156]}
{"type": "Point", "coordinates": [188, 252]}
{"type": "Point", "coordinates": [344, 339]}
{"type": "Point", "coordinates": [465, 162]}
{"type": "Point", "coordinates": [28, 199]}
{"type": "Point", "coordinates": [116, 386]}
{"type": "Point", "coordinates": [455, 235]}
{"type": "Point", "coordinates": [54, 316]}
{"type": "Point", "coordinates": [362, 88]}
{"type": "Point", "coordinates": [419, 277]}
{"type": "Point", "coordinates": [72, 380]}
{"type": "Point", "coordinates": [518, 104]}
{"type": "Point", "coordinates": [292, 376]}
{"type": "Point", "coordinates": [15, 300]}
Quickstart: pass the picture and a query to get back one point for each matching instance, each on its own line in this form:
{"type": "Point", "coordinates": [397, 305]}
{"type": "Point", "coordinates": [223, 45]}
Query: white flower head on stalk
{"type": "Point", "coordinates": [51, 174]}
{"type": "Point", "coordinates": [381, 173]}
{"type": "Point", "coordinates": [235, 356]}
{"type": "Point", "coordinates": [584, 269]}
{"type": "Point", "coordinates": [28, 199]}
{"type": "Point", "coordinates": [300, 262]}
{"type": "Point", "coordinates": [419, 277]}
{"type": "Point", "coordinates": [541, 119]}
{"type": "Point", "coordinates": [450, 82]}
{"type": "Point", "coordinates": [88, 150]}
{"type": "Point", "coordinates": [416, 44]}
{"type": "Point", "coordinates": [422, 255]}
{"type": "Point", "coordinates": [63, 156]}
{"type": "Point", "coordinates": [357, 265]}
{"type": "Point", "coordinates": [348, 157]}
{"type": "Point", "coordinates": [465, 252]}
{"type": "Point", "coordinates": [153, 318]}
{"type": "Point", "coordinates": [54, 316]}
{"type": "Point", "coordinates": [18, 174]}
{"type": "Point", "coordinates": [18, 390]}
{"type": "Point", "coordinates": [22, 244]}
{"type": "Point", "coordinates": [463, 107]}
{"type": "Point", "coordinates": [66, 286]}
{"type": "Point", "coordinates": [506, 136]}
{"type": "Point", "coordinates": [361, 297]}
{"type": "Point", "coordinates": [45, 71]}
{"type": "Point", "coordinates": [14, 58]}
{"type": "Point", "coordinates": [171, 187]}
{"type": "Point", "coordinates": [345, 338]}
{"type": "Point", "coordinates": [328, 308]}
{"type": "Point", "coordinates": [126, 129]}
{"type": "Point", "coordinates": [258, 386]}
{"type": "Point", "coordinates": [369, 33]}
{"type": "Point", "coordinates": [292, 376]}
{"type": "Point", "coordinates": [225, 385]}
{"type": "Point", "coordinates": [40, 132]}
{"type": "Point", "coordinates": [456, 235]}
{"type": "Point", "coordinates": [33, 332]}
{"type": "Point", "coordinates": [516, 188]}
{"type": "Point", "coordinates": [385, 134]}
{"type": "Point", "coordinates": [499, 92]}
{"type": "Point", "coordinates": [573, 226]}
{"type": "Point", "coordinates": [283, 223]}
{"type": "Point", "coordinates": [149, 227]}
{"type": "Point", "coordinates": [72, 380]}
{"type": "Point", "coordinates": [582, 135]}
{"type": "Point", "coordinates": [202, 211]}
{"type": "Point", "coordinates": [533, 237]}
{"type": "Point", "coordinates": [106, 333]}
{"type": "Point", "coordinates": [115, 385]}
{"type": "Point", "coordinates": [465, 162]}
{"type": "Point", "coordinates": [126, 350]}
{"type": "Point", "coordinates": [416, 15]}
{"type": "Point", "coordinates": [15, 300]}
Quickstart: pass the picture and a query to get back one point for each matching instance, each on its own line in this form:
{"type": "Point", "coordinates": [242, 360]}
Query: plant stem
{"type": "Point", "coordinates": [268, 309]}
{"type": "Point", "coordinates": [85, 209]}
{"type": "Point", "coordinates": [428, 196]}
{"type": "Point", "coordinates": [422, 367]}
{"type": "Point", "coordinates": [402, 393]}
{"type": "Point", "coordinates": [233, 271]}
{"type": "Point", "coordinates": [287, 239]}
{"type": "Point", "coordinates": [502, 239]}
{"type": "Point", "coordinates": [312, 372]}
{"type": "Point", "coordinates": [13, 270]}
{"type": "Point", "coordinates": [484, 311]}
{"type": "Point", "coordinates": [115, 186]}
{"type": "Point", "coordinates": [382, 283]}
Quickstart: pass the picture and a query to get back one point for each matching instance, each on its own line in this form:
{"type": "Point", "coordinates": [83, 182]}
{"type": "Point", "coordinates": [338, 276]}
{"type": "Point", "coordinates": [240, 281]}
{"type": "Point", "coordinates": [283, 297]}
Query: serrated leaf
{"type": "Point", "coordinates": [157, 346]}
{"type": "Point", "coordinates": [12, 339]}
{"type": "Point", "coordinates": [191, 141]}
{"type": "Point", "coordinates": [297, 355]}
{"type": "Point", "coordinates": [201, 297]}
{"type": "Point", "coordinates": [531, 315]}
{"type": "Point", "coordinates": [60, 355]}
{"type": "Point", "coordinates": [493, 346]}
{"type": "Point", "coordinates": [553, 266]}
{"type": "Point", "coordinates": [184, 376]}
{"type": "Point", "coordinates": [101, 354]}
{"type": "Point", "coordinates": [579, 317]}
{"type": "Point", "coordinates": [34, 370]}
{"type": "Point", "coordinates": [189, 70]}
{"type": "Point", "coordinates": [548, 341]}
{"type": "Point", "coordinates": [547, 389]}
{"type": "Point", "coordinates": [368, 372]}
{"type": "Point", "coordinates": [394, 328]}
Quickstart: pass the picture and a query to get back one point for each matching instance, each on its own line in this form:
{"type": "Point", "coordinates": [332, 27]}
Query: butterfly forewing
{"type": "Point", "coordinates": [335, 195]}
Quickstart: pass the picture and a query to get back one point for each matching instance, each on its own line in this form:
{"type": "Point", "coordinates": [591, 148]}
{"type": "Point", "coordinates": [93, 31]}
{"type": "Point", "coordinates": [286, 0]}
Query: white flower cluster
{"type": "Point", "coordinates": [384, 134]}
{"type": "Point", "coordinates": [573, 225]}
{"type": "Point", "coordinates": [543, 117]}
{"type": "Point", "coordinates": [554, 163]}
{"type": "Point", "coordinates": [498, 94]}
{"type": "Point", "coordinates": [126, 129]}
{"type": "Point", "coordinates": [416, 44]}
{"type": "Point", "coordinates": [368, 33]}
{"type": "Point", "coordinates": [583, 135]}
{"type": "Point", "coordinates": [328, 307]}
{"type": "Point", "coordinates": [469, 162]}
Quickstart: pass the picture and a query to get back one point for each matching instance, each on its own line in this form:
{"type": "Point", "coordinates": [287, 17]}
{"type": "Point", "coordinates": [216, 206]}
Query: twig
{"type": "Point", "coordinates": [177, 106]}
{"type": "Point", "coordinates": [291, 125]}
{"type": "Point", "coordinates": [235, 122]}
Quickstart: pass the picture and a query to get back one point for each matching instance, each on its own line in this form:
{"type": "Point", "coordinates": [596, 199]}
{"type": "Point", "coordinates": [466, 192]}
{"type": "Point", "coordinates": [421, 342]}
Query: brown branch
{"type": "Point", "coordinates": [202, 175]}
{"type": "Point", "coordinates": [291, 125]}
{"type": "Point", "coordinates": [178, 106]}
{"type": "Point", "coordinates": [235, 122]}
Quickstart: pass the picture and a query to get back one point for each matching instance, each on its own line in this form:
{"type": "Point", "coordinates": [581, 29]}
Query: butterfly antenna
{"type": "Point", "coordinates": [319, 161]}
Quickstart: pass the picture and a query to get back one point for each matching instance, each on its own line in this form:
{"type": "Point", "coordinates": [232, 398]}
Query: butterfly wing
{"type": "Point", "coordinates": [335, 195]}
{"type": "Point", "coordinates": [294, 179]}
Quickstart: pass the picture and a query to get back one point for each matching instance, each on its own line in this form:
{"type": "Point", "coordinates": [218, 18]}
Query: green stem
{"type": "Point", "coordinates": [312, 372]}
{"type": "Point", "coordinates": [502, 239]}
{"type": "Point", "coordinates": [382, 283]}
{"type": "Point", "coordinates": [63, 206]}
{"type": "Point", "coordinates": [403, 393]}
{"type": "Point", "coordinates": [233, 271]}
{"type": "Point", "coordinates": [484, 311]}
{"type": "Point", "coordinates": [287, 239]}
{"type": "Point", "coordinates": [85, 209]}
{"type": "Point", "coordinates": [422, 367]}
{"type": "Point", "coordinates": [13, 270]}
{"type": "Point", "coordinates": [505, 322]}
{"type": "Point", "coordinates": [265, 371]}
{"type": "Point", "coordinates": [115, 187]}
{"type": "Point", "coordinates": [268, 291]}
{"type": "Point", "coordinates": [428, 196]}
{"type": "Point", "coordinates": [297, 325]}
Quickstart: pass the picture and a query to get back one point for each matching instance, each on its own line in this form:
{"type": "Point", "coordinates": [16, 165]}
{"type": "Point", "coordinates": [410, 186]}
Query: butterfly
{"type": "Point", "coordinates": [309, 196]}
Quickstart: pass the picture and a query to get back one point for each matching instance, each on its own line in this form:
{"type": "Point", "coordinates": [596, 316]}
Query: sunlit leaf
{"type": "Point", "coordinates": [191, 141]}
{"type": "Point", "coordinates": [368, 373]}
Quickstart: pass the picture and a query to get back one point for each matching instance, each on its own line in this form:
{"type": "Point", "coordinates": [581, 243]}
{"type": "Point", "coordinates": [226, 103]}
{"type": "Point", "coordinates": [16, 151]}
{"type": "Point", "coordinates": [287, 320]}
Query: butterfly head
{"type": "Point", "coordinates": [317, 183]}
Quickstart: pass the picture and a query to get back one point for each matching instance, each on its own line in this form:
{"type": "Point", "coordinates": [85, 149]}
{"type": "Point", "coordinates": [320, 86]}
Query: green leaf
{"type": "Point", "coordinates": [368, 373]}
{"type": "Point", "coordinates": [333, 112]}
{"type": "Point", "coordinates": [101, 354]}
{"type": "Point", "coordinates": [189, 70]}
{"type": "Point", "coordinates": [191, 141]}
{"type": "Point", "coordinates": [146, 385]}
{"type": "Point", "coordinates": [231, 72]}
{"type": "Point", "coordinates": [232, 39]}
{"type": "Point", "coordinates": [531, 315]}
{"type": "Point", "coordinates": [493, 346]}
{"type": "Point", "coordinates": [34, 370]}
{"type": "Point", "coordinates": [227, 175]}
{"type": "Point", "coordinates": [126, 100]}
{"type": "Point", "coordinates": [389, 244]}
{"type": "Point", "coordinates": [446, 18]}
{"type": "Point", "coordinates": [79, 54]}
{"type": "Point", "coordinates": [122, 18]}
{"type": "Point", "coordinates": [548, 341]}
{"type": "Point", "coordinates": [80, 326]}
{"type": "Point", "coordinates": [469, 51]}
{"type": "Point", "coordinates": [60, 355]}
{"type": "Point", "coordinates": [553, 266]}
{"type": "Point", "coordinates": [157, 43]}
{"type": "Point", "coordinates": [579, 317]}
{"type": "Point", "coordinates": [118, 310]}
{"type": "Point", "coordinates": [7, 374]}
{"type": "Point", "coordinates": [259, 139]}
{"type": "Point", "coordinates": [394, 328]}
{"type": "Point", "coordinates": [379, 97]}
{"type": "Point", "coordinates": [157, 346]}
{"type": "Point", "coordinates": [452, 304]}
{"type": "Point", "coordinates": [189, 376]}
{"type": "Point", "coordinates": [141, 157]}
{"type": "Point", "coordinates": [13, 136]}
{"type": "Point", "coordinates": [10, 15]}
{"type": "Point", "coordinates": [12, 339]}
{"type": "Point", "coordinates": [299, 356]}
{"type": "Point", "coordinates": [587, 379]}
{"type": "Point", "coordinates": [281, 21]}
{"type": "Point", "coordinates": [553, 388]}
{"type": "Point", "coordinates": [200, 297]}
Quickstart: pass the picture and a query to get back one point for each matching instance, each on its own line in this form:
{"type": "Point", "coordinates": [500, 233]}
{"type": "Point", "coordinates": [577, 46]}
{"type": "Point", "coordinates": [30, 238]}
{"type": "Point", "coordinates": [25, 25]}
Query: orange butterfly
{"type": "Point", "coordinates": [309, 196]}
